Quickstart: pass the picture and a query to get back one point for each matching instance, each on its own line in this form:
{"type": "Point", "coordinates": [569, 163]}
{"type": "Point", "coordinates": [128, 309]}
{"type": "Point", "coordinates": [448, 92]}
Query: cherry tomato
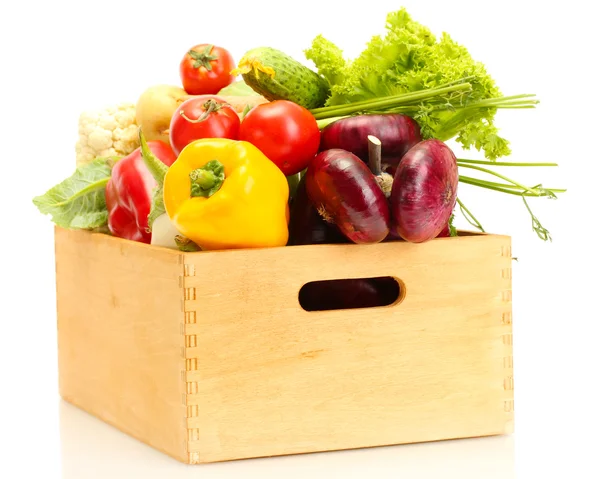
{"type": "Point", "coordinates": [204, 116]}
{"type": "Point", "coordinates": [285, 132]}
{"type": "Point", "coordinates": [205, 69]}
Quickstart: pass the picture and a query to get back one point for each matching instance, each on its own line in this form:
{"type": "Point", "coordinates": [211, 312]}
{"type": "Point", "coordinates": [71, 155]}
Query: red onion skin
{"type": "Point", "coordinates": [341, 185]}
{"type": "Point", "coordinates": [445, 233]}
{"type": "Point", "coordinates": [424, 191]}
{"type": "Point", "coordinates": [306, 226]}
{"type": "Point", "coordinates": [397, 133]}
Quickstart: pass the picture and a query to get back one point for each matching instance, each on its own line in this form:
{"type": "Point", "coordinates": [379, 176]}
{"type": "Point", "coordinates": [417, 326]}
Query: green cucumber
{"type": "Point", "coordinates": [277, 76]}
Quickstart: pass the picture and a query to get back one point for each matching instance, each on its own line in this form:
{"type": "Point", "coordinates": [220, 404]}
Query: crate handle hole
{"type": "Point", "coordinates": [326, 295]}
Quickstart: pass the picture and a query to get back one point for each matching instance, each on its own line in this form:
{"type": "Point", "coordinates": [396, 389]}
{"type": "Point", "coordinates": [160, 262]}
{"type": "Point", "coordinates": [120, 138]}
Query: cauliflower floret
{"type": "Point", "coordinates": [112, 131]}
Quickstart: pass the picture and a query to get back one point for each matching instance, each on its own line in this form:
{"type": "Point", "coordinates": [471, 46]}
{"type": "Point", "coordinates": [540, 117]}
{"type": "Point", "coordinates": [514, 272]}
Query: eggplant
{"type": "Point", "coordinates": [306, 226]}
{"type": "Point", "coordinates": [345, 192]}
{"type": "Point", "coordinates": [398, 133]}
{"type": "Point", "coordinates": [424, 191]}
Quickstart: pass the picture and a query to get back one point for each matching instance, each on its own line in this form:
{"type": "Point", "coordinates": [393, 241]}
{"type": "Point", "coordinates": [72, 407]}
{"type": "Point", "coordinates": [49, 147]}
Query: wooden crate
{"type": "Point", "coordinates": [208, 356]}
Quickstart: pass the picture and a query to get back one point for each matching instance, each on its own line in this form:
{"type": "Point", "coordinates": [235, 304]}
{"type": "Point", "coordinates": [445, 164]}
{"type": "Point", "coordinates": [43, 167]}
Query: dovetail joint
{"type": "Point", "coordinates": [193, 434]}
{"type": "Point", "coordinates": [507, 296]}
{"type": "Point", "coordinates": [191, 364]}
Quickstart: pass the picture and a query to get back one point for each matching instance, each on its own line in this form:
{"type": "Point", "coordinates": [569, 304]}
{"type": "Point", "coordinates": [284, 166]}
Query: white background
{"type": "Point", "coordinates": [57, 60]}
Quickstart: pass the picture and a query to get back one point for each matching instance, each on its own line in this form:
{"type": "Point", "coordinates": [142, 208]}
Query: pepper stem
{"type": "Point", "coordinates": [206, 181]}
{"type": "Point", "coordinates": [156, 167]}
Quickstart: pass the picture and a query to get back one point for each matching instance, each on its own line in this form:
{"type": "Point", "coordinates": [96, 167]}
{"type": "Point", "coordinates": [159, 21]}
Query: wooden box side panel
{"type": "Point", "coordinates": [264, 377]}
{"type": "Point", "coordinates": [120, 335]}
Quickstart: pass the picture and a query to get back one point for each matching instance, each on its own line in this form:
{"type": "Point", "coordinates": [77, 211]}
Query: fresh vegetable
{"type": "Point", "coordinates": [449, 229]}
{"type": "Point", "coordinates": [391, 107]}
{"type": "Point", "coordinates": [306, 225]}
{"type": "Point", "coordinates": [424, 191]}
{"type": "Point", "coordinates": [206, 69]}
{"type": "Point", "coordinates": [129, 193]}
{"type": "Point", "coordinates": [397, 133]}
{"type": "Point", "coordinates": [278, 76]}
{"type": "Point", "coordinates": [285, 132]}
{"type": "Point", "coordinates": [78, 201]}
{"type": "Point", "coordinates": [155, 108]}
{"type": "Point", "coordinates": [409, 60]}
{"type": "Point", "coordinates": [157, 104]}
{"type": "Point", "coordinates": [238, 88]}
{"type": "Point", "coordinates": [508, 186]}
{"type": "Point", "coordinates": [204, 116]}
{"type": "Point", "coordinates": [164, 232]}
{"type": "Point", "coordinates": [345, 192]}
{"type": "Point", "coordinates": [243, 104]}
{"type": "Point", "coordinates": [106, 132]}
{"type": "Point", "coordinates": [224, 194]}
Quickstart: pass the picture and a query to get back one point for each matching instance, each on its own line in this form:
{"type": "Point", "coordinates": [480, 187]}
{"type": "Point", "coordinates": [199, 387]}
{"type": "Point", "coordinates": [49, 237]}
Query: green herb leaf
{"type": "Point", "coordinates": [469, 216]}
{"type": "Point", "coordinates": [409, 58]}
{"type": "Point", "coordinates": [78, 202]}
{"type": "Point", "coordinates": [451, 226]}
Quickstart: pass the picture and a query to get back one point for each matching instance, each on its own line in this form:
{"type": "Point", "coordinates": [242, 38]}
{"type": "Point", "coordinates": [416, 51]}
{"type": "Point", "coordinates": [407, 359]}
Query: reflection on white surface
{"type": "Point", "coordinates": [93, 450]}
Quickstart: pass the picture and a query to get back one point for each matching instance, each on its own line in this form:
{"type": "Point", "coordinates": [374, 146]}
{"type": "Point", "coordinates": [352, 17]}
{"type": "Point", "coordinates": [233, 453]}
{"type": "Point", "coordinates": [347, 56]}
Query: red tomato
{"type": "Point", "coordinates": [205, 69]}
{"type": "Point", "coordinates": [285, 132]}
{"type": "Point", "coordinates": [204, 116]}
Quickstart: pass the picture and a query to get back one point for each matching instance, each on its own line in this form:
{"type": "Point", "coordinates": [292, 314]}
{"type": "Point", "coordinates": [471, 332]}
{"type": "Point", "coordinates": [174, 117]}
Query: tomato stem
{"type": "Point", "coordinates": [203, 59]}
{"type": "Point", "coordinates": [209, 107]}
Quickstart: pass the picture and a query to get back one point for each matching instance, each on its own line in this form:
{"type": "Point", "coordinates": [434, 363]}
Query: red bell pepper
{"type": "Point", "coordinates": [129, 193]}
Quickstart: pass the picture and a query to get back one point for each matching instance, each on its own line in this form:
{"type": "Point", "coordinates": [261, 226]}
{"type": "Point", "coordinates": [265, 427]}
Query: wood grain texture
{"type": "Point", "coordinates": [119, 335]}
{"type": "Point", "coordinates": [268, 378]}
{"type": "Point", "coordinates": [208, 356]}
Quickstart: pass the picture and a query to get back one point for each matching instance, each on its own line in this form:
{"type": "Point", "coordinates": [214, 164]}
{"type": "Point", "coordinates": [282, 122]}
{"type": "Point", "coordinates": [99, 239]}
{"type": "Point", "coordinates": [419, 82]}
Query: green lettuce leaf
{"type": "Point", "coordinates": [410, 58]}
{"type": "Point", "coordinates": [78, 202]}
{"type": "Point", "coordinates": [237, 88]}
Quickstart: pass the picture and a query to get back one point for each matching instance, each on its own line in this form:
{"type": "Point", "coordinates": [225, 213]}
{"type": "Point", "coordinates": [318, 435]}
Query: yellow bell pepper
{"type": "Point", "coordinates": [225, 194]}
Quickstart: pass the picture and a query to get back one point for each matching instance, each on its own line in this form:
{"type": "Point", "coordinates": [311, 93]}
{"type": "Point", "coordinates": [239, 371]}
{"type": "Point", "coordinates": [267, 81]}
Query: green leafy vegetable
{"type": "Point", "coordinates": [451, 227]}
{"type": "Point", "coordinates": [158, 170]}
{"type": "Point", "coordinates": [237, 88]}
{"type": "Point", "coordinates": [78, 202]}
{"type": "Point", "coordinates": [410, 58]}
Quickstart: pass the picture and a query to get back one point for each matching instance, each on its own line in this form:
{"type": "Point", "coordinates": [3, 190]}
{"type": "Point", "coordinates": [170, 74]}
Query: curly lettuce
{"type": "Point", "coordinates": [410, 58]}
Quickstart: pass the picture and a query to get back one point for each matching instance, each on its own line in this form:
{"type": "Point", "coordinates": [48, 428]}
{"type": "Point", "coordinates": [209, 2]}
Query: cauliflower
{"type": "Point", "coordinates": [108, 132]}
